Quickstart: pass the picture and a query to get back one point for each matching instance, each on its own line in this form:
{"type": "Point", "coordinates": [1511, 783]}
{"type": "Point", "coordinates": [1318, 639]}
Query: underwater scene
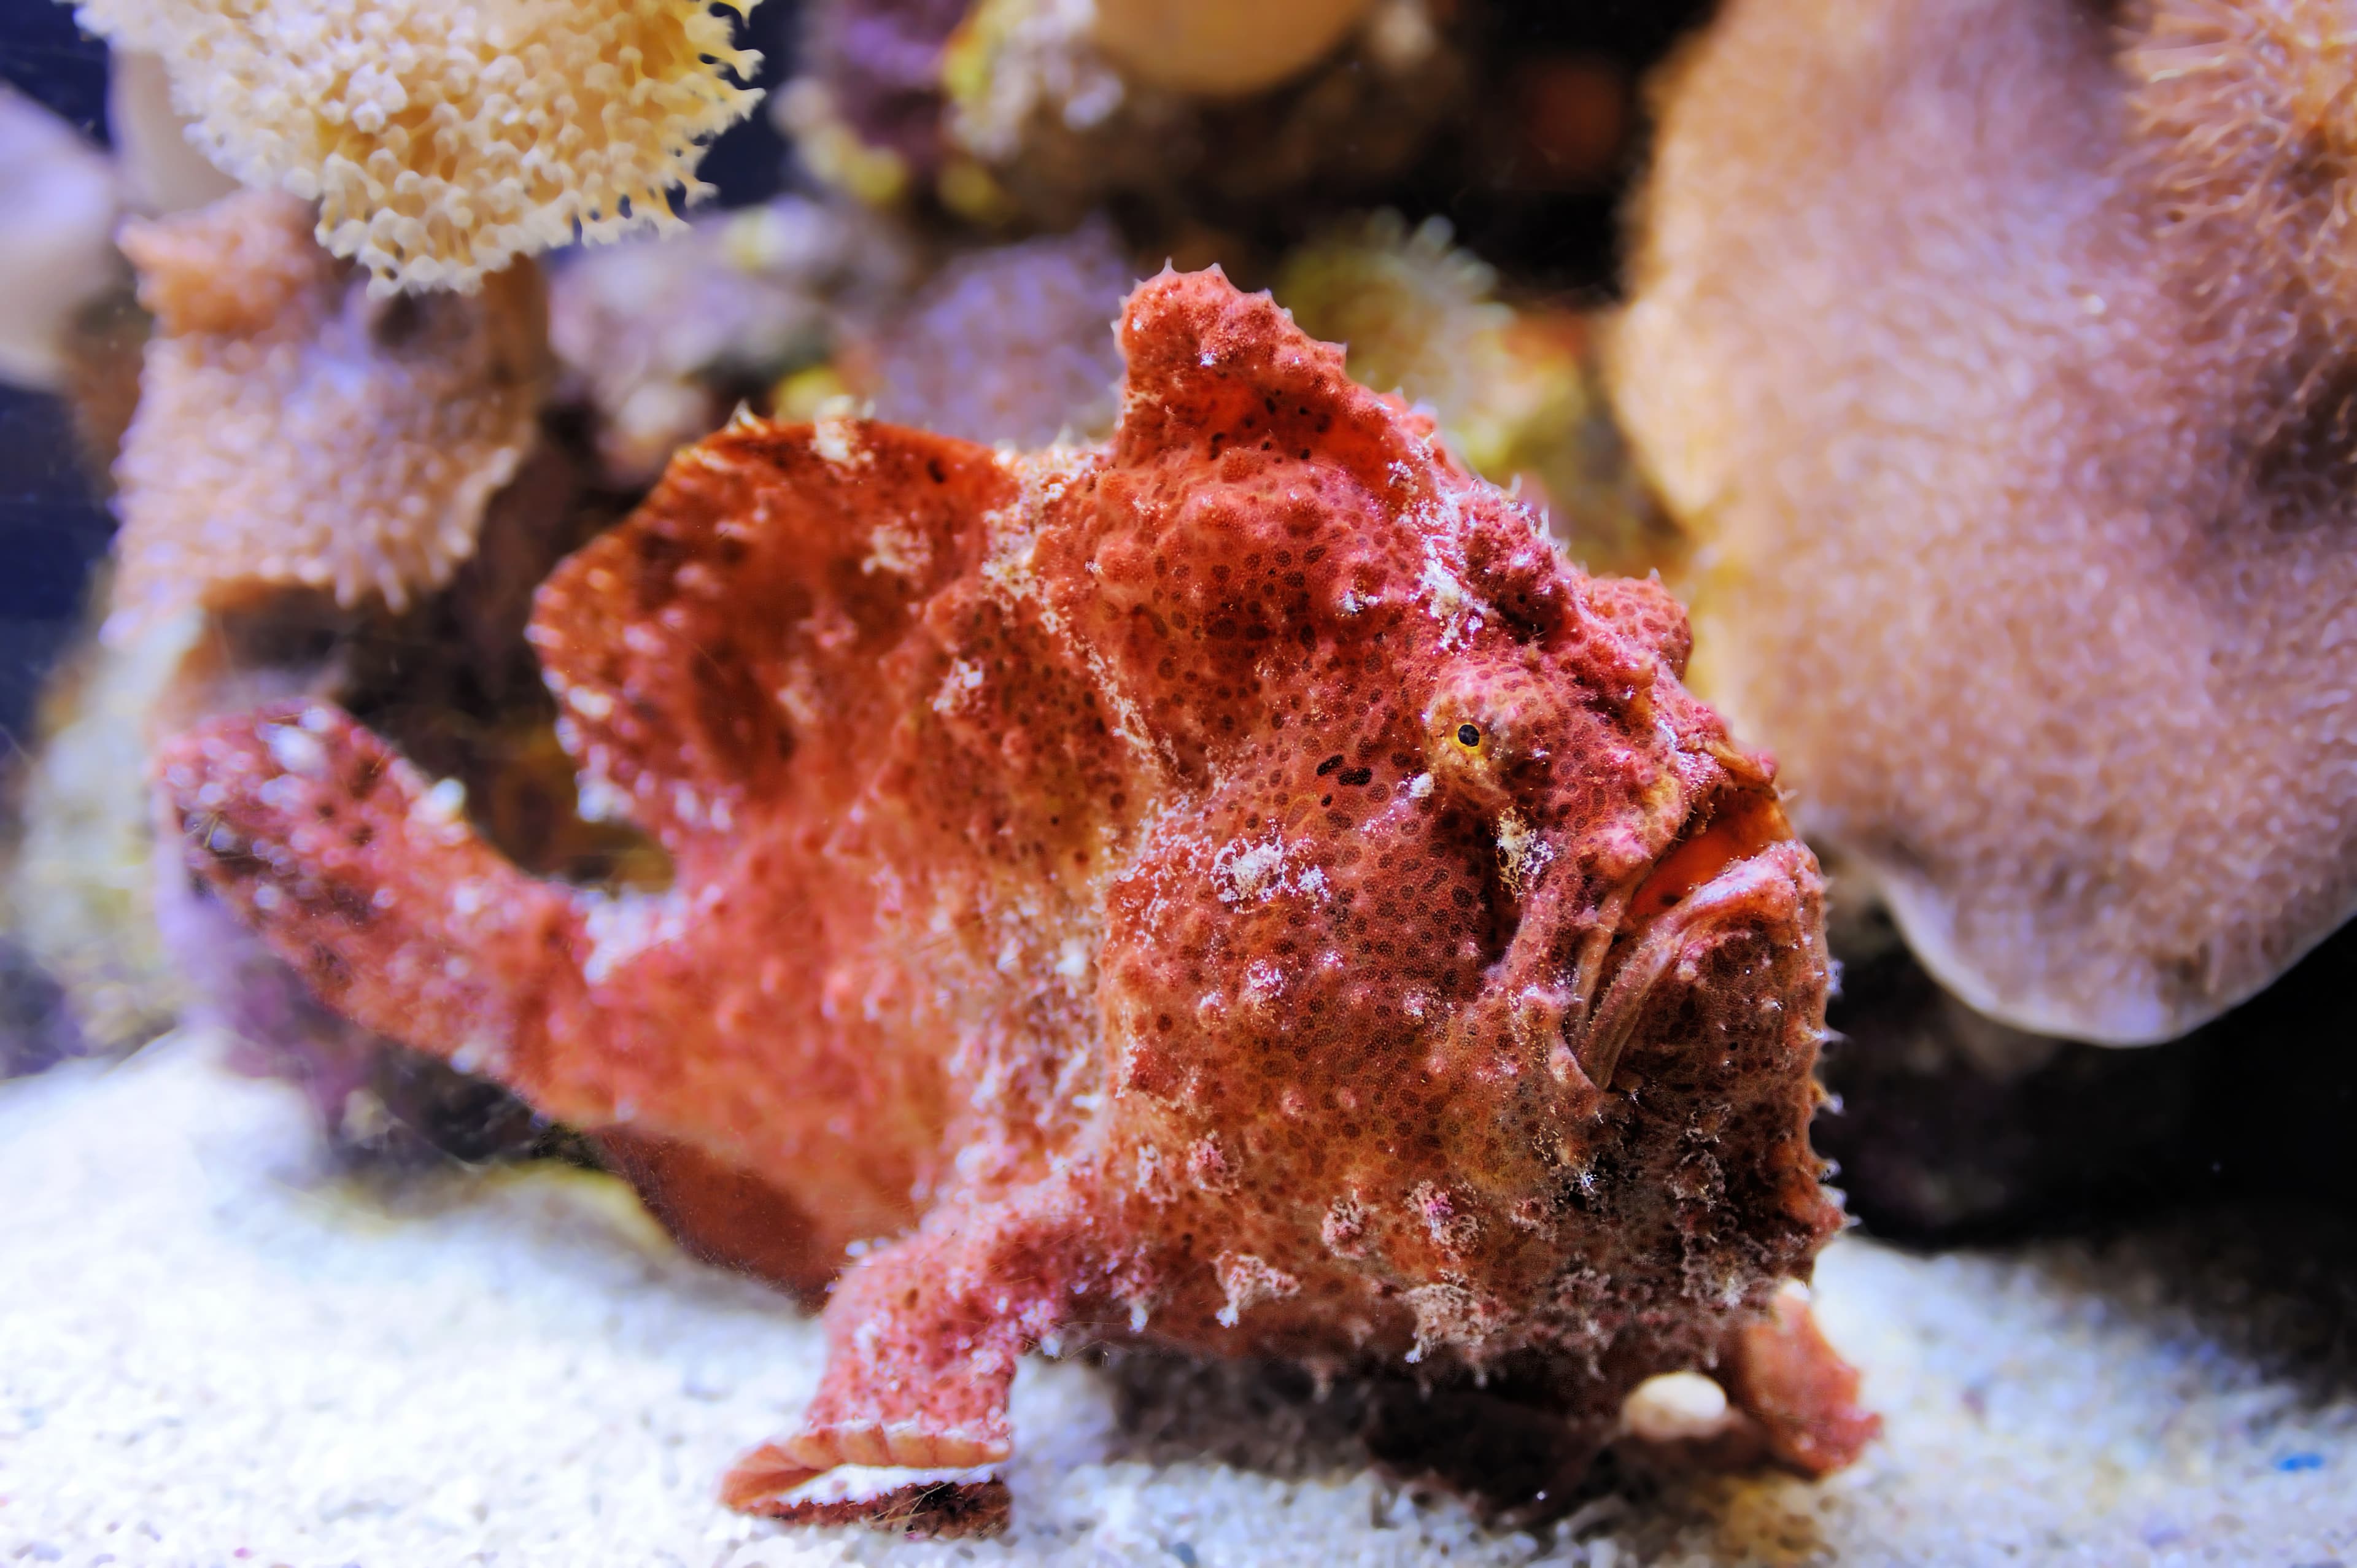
{"type": "Point", "coordinates": [1175, 782]}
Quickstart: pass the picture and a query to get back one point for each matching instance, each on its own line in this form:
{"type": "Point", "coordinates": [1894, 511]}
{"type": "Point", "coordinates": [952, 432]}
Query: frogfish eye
{"type": "Point", "coordinates": [1469, 735]}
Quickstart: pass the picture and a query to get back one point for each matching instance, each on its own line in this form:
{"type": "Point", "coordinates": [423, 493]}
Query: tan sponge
{"type": "Point", "coordinates": [293, 432]}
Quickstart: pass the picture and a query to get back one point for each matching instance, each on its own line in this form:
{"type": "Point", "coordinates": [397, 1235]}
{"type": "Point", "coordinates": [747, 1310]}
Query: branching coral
{"type": "Point", "coordinates": [293, 432]}
{"type": "Point", "coordinates": [1236, 886]}
{"type": "Point", "coordinates": [2007, 387]}
{"type": "Point", "coordinates": [444, 139]}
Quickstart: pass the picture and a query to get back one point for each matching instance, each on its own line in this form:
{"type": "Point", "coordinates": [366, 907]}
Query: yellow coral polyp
{"type": "Point", "coordinates": [444, 138]}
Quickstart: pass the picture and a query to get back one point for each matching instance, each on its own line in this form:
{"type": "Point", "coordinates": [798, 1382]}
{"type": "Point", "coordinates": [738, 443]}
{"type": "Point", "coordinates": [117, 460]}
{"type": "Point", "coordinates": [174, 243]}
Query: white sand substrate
{"type": "Point", "coordinates": [216, 1351]}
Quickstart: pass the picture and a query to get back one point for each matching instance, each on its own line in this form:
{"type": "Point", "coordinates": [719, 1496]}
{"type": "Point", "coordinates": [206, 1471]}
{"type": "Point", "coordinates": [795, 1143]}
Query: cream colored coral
{"type": "Point", "coordinates": [444, 138]}
{"type": "Point", "coordinates": [1218, 46]}
{"type": "Point", "coordinates": [293, 432]}
{"type": "Point", "coordinates": [2016, 438]}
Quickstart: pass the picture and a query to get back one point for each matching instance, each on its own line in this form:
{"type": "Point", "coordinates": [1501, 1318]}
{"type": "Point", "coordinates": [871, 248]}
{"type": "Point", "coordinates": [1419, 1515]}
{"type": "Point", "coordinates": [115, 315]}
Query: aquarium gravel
{"type": "Point", "coordinates": [217, 1350]}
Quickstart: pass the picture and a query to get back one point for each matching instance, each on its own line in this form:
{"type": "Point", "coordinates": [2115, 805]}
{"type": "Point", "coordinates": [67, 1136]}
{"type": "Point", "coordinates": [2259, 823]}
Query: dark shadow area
{"type": "Point", "coordinates": [53, 529]}
{"type": "Point", "coordinates": [1514, 1464]}
{"type": "Point", "coordinates": [748, 162]}
{"type": "Point", "coordinates": [1267, 1416]}
{"type": "Point", "coordinates": [1567, 78]}
{"type": "Point", "coordinates": [2273, 1286]}
{"type": "Point", "coordinates": [1951, 1129]}
{"type": "Point", "coordinates": [45, 56]}
{"type": "Point", "coordinates": [53, 526]}
{"type": "Point", "coordinates": [2207, 1186]}
{"type": "Point", "coordinates": [36, 1032]}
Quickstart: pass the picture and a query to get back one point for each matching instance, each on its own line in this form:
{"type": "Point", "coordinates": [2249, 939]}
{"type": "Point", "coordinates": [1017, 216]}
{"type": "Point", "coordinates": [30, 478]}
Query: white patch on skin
{"type": "Point", "coordinates": [1249, 873]}
{"type": "Point", "coordinates": [1449, 1229]}
{"type": "Point", "coordinates": [962, 681]}
{"type": "Point", "coordinates": [589, 703]}
{"type": "Point", "coordinates": [1449, 1315]}
{"type": "Point", "coordinates": [1522, 853]}
{"type": "Point", "coordinates": [619, 929]}
{"type": "Point", "coordinates": [1246, 1281]}
{"type": "Point", "coordinates": [1208, 1165]}
{"type": "Point", "coordinates": [837, 441]}
{"type": "Point", "coordinates": [899, 549]}
{"type": "Point", "coordinates": [445, 802]}
{"type": "Point", "coordinates": [1454, 606]}
{"type": "Point", "coordinates": [795, 696]}
{"type": "Point", "coordinates": [295, 751]}
{"type": "Point", "coordinates": [1344, 1228]}
{"type": "Point", "coordinates": [599, 802]}
{"type": "Point", "coordinates": [866, 1483]}
{"type": "Point", "coordinates": [1265, 984]}
{"type": "Point", "coordinates": [1153, 1183]}
{"type": "Point", "coordinates": [1449, 599]}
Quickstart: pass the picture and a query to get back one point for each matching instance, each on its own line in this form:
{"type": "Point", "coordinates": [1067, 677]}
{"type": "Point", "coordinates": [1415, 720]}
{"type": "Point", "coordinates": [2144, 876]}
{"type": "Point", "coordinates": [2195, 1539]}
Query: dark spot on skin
{"type": "Point", "coordinates": [1358, 776]}
{"type": "Point", "coordinates": [1330, 764]}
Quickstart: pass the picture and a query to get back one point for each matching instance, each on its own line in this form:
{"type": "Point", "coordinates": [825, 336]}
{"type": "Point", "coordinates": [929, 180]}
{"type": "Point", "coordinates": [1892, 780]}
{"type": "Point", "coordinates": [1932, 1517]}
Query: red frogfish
{"type": "Point", "coordinates": [1236, 888]}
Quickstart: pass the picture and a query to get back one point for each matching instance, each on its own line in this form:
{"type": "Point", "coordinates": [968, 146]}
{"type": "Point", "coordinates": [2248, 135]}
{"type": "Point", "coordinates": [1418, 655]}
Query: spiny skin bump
{"type": "Point", "coordinates": [1236, 887]}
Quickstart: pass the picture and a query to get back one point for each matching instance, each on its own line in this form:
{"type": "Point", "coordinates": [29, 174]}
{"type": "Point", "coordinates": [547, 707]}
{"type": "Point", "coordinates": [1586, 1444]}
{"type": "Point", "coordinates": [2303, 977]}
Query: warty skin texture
{"type": "Point", "coordinates": [1236, 887]}
{"type": "Point", "coordinates": [2006, 389]}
